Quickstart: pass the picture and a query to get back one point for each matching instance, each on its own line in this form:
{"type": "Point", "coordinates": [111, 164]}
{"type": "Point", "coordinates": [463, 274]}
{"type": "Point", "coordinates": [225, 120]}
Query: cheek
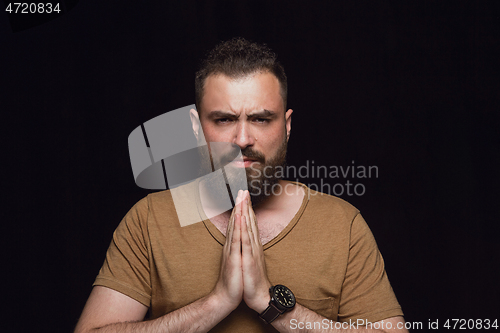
{"type": "Point", "coordinates": [219, 136]}
{"type": "Point", "coordinates": [211, 133]}
{"type": "Point", "coordinates": [274, 145]}
{"type": "Point", "coordinates": [279, 136]}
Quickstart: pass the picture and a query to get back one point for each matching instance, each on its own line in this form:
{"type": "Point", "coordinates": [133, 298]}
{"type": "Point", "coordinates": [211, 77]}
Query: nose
{"type": "Point", "coordinates": [243, 136]}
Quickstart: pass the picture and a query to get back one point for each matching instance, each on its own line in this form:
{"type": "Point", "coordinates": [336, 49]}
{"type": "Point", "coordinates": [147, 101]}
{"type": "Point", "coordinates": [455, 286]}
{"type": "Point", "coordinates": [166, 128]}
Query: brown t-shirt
{"type": "Point", "coordinates": [326, 255]}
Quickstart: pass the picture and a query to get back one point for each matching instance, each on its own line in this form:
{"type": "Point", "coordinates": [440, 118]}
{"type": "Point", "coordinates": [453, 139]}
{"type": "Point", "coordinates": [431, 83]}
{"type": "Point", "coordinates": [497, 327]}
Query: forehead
{"type": "Point", "coordinates": [253, 92]}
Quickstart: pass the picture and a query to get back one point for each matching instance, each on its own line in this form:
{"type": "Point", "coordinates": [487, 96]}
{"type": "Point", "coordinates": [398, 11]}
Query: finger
{"type": "Point", "coordinates": [236, 206]}
{"type": "Point", "coordinates": [246, 246]}
{"type": "Point", "coordinates": [229, 232]}
{"type": "Point", "coordinates": [239, 198]}
{"type": "Point", "coordinates": [236, 236]}
{"type": "Point", "coordinates": [230, 226]}
{"type": "Point", "coordinates": [245, 212]}
{"type": "Point", "coordinates": [254, 225]}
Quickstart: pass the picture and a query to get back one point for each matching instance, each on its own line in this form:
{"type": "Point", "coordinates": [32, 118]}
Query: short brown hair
{"type": "Point", "coordinates": [238, 58]}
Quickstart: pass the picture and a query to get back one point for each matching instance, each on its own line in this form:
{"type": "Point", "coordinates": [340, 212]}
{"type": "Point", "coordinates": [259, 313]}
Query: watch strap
{"type": "Point", "coordinates": [270, 314]}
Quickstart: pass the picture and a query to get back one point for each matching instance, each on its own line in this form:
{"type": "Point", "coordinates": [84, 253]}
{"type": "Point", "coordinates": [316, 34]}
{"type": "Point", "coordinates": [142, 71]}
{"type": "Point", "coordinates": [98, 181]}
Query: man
{"type": "Point", "coordinates": [302, 261]}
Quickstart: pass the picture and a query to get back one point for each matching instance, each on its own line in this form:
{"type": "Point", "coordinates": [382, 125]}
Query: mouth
{"type": "Point", "coordinates": [246, 163]}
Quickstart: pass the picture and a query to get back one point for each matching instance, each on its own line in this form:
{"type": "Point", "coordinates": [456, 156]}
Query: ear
{"type": "Point", "coordinates": [288, 123]}
{"type": "Point", "coordinates": [195, 122]}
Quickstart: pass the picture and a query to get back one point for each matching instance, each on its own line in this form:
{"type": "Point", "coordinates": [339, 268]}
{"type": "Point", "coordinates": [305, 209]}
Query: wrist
{"type": "Point", "coordinates": [262, 303]}
{"type": "Point", "coordinates": [260, 300]}
{"type": "Point", "coordinates": [282, 300]}
{"type": "Point", "coordinates": [221, 302]}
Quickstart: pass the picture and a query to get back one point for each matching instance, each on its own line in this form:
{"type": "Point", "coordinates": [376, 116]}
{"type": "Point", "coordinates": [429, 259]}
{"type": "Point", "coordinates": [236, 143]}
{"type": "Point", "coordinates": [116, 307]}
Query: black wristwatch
{"type": "Point", "coordinates": [282, 300]}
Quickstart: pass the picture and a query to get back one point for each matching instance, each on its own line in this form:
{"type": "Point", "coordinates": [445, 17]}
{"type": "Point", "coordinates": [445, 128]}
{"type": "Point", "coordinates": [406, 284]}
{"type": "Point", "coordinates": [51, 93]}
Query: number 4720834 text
{"type": "Point", "coordinates": [32, 8]}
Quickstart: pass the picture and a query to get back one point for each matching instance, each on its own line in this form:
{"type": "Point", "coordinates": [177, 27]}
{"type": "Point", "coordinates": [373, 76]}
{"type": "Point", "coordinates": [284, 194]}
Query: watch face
{"type": "Point", "coordinates": [284, 296]}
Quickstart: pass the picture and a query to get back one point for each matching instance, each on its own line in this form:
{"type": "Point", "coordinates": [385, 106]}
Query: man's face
{"type": "Point", "coordinates": [248, 112]}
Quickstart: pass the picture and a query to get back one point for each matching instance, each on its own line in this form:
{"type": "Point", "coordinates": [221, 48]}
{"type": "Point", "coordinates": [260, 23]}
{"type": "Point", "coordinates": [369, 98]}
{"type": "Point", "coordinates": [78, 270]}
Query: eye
{"type": "Point", "coordinates": [261, 120]}
{"type": "Point", "coordinates": [222, 121]}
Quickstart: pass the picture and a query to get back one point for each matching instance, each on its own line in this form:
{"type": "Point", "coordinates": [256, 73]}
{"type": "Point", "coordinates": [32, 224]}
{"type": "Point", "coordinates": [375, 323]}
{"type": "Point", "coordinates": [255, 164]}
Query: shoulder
{"type": "Point", "coordinates": [325, 216]}
{"type": "Point", "coordinates": [151, 201]}
{"type": "Point", "coordinates": [160, 198]}
{"type": "Point", "coordinates": [143, 209]}
{"type": "Point", "coordinates": [327, 205]}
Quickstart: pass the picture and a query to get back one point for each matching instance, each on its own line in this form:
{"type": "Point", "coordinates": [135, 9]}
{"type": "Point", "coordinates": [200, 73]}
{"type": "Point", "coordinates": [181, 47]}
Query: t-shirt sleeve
{"type": "Point", "coordinates": [126, 266]}
{"type": "Point", "coordinates": [366, 291]}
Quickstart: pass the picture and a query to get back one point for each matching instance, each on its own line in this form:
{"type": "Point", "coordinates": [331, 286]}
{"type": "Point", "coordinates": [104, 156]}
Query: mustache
{"type": "Point", "coordinates": [253, 154]}
{"type": "Point", "coordinates": [247, 152]}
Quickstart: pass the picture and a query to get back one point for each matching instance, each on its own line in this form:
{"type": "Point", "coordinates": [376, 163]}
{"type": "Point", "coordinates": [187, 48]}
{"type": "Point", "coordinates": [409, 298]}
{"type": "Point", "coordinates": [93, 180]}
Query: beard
{"type": "Point", "coordinates": [260, 177]}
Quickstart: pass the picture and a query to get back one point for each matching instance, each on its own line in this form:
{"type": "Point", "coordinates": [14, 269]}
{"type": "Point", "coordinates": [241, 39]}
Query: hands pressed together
{"type": "Point", "coordinates": [243, 273]}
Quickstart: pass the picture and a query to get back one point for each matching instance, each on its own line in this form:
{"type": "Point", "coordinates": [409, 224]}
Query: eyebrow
{"type": "Point", "coordinates": [253, 114]}
{"type": "Point", "coordinates": [221, 114]}
{"type": "Point", "coordinates": [262, 113]}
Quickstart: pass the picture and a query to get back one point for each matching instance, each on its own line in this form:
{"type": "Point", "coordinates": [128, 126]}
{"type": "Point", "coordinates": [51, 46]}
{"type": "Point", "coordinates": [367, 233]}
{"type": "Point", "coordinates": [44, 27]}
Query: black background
{"type": "Point", "coordinates": [410, 87]}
